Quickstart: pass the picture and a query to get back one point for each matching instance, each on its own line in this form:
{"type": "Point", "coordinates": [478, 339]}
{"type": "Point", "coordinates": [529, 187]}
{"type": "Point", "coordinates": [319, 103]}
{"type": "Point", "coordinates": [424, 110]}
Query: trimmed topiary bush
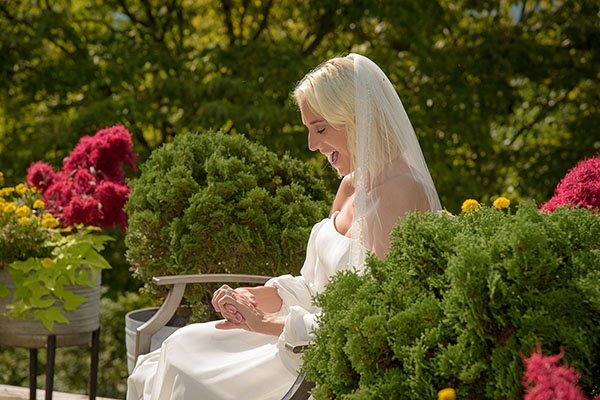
{"type": "Point", "coordinates": [458, 302]}
{"type": "Point", "coordinates": [213, 203]}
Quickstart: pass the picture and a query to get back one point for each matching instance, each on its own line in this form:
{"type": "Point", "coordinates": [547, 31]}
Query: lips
{"type": "Point", "coordinates": [333, 157]}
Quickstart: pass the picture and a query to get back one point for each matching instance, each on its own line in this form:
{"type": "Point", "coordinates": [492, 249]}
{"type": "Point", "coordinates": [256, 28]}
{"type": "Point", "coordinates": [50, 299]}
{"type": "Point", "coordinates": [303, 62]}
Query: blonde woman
{"type": "Point", "coordinates": [356, 119]}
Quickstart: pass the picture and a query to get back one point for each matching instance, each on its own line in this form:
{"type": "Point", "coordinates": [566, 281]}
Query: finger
{"type": "Point", "coordinates": [225, 302]}
{"type": "Point", "coordinates": [225, 324]}
{"type": "Point", "coordinates": [217, 296]}
{"type": "Point", "coordinates": [239, 318]}
{"type": "Point", "coordinates": [228, 311]}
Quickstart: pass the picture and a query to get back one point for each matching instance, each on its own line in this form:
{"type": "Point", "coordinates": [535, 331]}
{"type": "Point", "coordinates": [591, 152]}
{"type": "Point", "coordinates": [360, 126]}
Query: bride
{"type": "Point", "coordinates": [356, 119]}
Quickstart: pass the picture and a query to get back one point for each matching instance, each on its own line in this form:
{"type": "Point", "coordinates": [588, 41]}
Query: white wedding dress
{"type": "Point", "coordinates": [202, 362]}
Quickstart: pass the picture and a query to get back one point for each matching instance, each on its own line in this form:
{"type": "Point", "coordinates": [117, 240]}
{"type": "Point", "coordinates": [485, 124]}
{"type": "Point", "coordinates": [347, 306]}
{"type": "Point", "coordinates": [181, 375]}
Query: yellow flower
{"type": "Point", "coordinates": [447, 212]}
{"type": "Point", "coordinates": [501, 202]}
{"type": "Point", "coordinates": [23, 221]}
{"type": "Point", "coordinates": [9, 207]}
{"type": "Point", "coordinates": [38, 204]}
{"type": "Point", "coordinates": [47, 262]}
{"type": "Point", "coordinates": [470, 205]}
{"type": "Point", "coordinates": [6, 191]}
{"type": "Point", "coordinates": [49, 222]}
{"type": "Point", "coordinates": [21, 189]}
{"type": "Point", "coordinates": [447, 394]}
{"type": "Point", "coordinates": [1, 176]}
{"type": "Point", "coordinates": [23, 211]}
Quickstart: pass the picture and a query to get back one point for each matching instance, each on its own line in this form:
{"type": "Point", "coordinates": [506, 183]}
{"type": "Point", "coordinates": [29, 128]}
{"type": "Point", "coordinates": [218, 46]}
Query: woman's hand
{"type": "Point", "coordinates": [228, 310]}
{"type": "Point", "coordinates": [249, 317]}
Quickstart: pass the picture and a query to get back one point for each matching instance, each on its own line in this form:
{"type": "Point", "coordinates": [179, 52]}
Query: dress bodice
{"type": "Point", "coordinates": [328, 252]}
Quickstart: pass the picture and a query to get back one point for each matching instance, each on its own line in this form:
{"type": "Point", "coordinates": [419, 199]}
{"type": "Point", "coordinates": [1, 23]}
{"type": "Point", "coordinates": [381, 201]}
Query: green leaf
{"type": "Point", "coordinates": [50, 316]}
{"type": "Point", "coordinates": [84, 279]}
{"type": "Point", "coordinates": [95, 260]}
{"type": "Point", "coordinates": [72, 300]}
{"type": "Point", "coordinates": [4, 291]}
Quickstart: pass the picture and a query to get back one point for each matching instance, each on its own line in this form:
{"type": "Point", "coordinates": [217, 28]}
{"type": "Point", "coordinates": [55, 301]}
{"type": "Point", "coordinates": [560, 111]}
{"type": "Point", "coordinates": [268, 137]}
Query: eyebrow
{"type": "Point", "coordinates": [316, 121]}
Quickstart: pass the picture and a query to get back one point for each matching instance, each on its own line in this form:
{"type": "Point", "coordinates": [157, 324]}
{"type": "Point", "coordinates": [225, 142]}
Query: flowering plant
{"type": "Point", "coordinates": [49, 228]}
{"type": "Point", "coordinates": [580, 187]}
{"type": "Point", "coordinates": [544, 379]}
{"type": "Point", "coordinates": [42, 258]}
{"type": "Point", "coordinates": [91, 187]}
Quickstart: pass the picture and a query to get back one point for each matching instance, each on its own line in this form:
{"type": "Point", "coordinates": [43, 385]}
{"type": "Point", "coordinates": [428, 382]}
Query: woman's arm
{"type": "Point", "coordinates": [247, 316]}
{"type": "Point", "coordinates": [265, 298]}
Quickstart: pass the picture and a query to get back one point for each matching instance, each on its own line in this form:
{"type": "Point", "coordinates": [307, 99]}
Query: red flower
{"type": "Point", "coordinates": [580, 187]}
{"type": "Point", "coordinates": [58, 194]}
{"type": "Point", "coordinates": [84, 182]}
{"type": "Point", "coordinates": [83, 210]}
{"type": "Point", "coordinates": [40, 175]}
{"type": "Point", "coordinates": [91, 189]}
{"type": "Point", "coordinates": [106, 151]}
{"type": "Point", "coordinates": [546, 380]}
{"type": "Point", "coordinates": [113, 198]}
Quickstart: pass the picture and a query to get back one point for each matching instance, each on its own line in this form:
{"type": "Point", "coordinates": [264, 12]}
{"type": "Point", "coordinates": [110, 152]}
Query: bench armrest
{"type": "Point", "coordinates": [167, 309]}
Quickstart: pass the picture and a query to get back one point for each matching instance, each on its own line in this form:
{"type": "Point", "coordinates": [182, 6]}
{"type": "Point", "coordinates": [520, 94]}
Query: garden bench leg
{"type": "Point", "coordinates": [32, 374]}
{"type": "Point", "coordinates": [50, 366]}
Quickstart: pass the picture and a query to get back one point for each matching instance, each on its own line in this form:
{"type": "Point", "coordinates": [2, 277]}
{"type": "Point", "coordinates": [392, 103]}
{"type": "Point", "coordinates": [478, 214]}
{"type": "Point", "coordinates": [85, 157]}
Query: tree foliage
{"type": "Point", "coordinates": [503, 94]}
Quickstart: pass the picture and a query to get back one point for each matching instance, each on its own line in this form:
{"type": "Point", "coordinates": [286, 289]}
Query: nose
{"type": "Point", "coordinates": [313, 140]}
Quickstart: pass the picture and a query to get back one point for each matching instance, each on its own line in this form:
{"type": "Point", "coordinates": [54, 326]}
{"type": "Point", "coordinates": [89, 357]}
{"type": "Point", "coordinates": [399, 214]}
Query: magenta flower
{"type": "Point", "coordinates": [544, 379]}
{"type": "Point", "coordinates": [83, 210]}
{"type": "Point", "coordinates": [580, 187]}
{"type": "Point", "coordinates": [113, 197]}
{"type": "Point", "coordinates": [91, 189]}
{"type": "Point", "coordinates": [40, 175]}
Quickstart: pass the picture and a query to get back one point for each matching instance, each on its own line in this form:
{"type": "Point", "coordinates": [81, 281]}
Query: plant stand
{"type": "Point", "coordinates": [51, 351]}
{"type": "Point", "coordinates": [83, 328]}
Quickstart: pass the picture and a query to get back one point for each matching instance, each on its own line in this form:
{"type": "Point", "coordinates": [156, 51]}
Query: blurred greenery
{"type": "Point", "coordinates": [504, 95]}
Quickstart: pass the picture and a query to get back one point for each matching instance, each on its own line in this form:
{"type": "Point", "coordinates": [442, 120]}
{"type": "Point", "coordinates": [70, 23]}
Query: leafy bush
{"type": "Point", "coordinates": [209, 203]}
{"type": "Point", "coordinates": [457, 302]}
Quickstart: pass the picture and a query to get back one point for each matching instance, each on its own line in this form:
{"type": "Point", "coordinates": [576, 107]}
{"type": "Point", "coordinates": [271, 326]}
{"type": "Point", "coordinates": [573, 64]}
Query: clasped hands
{"type": "Point", "coordinates": [241, 310]}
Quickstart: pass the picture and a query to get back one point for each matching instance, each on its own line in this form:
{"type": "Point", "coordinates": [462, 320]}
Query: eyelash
{"type": "Point", "coordinates": [320, 131]}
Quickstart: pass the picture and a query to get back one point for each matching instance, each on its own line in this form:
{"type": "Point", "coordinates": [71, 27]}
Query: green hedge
{"type": "Point", "coordinates": [457, 302]}
{"type": "Point", "coordinates": [213, 203]}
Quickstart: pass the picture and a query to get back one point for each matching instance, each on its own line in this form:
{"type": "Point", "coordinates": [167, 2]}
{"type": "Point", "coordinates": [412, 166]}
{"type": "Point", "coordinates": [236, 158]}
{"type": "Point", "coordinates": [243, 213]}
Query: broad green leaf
{"type": "Point", "coordinates": [72, 301]}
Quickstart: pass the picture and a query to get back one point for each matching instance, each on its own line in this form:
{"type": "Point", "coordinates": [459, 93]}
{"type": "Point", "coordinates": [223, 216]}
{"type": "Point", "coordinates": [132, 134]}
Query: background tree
{"type": "Point", "coordinates": [503, 94]}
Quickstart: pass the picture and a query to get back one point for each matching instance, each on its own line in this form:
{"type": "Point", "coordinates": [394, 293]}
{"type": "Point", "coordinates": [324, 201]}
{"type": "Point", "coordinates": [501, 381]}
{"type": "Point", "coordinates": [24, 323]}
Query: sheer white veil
{"type": "Point", "coordinates": [383, 134]}
{"type": "Point", "coordinates": [390, 176]}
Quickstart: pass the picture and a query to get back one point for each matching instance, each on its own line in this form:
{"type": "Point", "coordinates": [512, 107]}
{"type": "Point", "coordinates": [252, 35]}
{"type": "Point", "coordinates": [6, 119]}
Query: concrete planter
{"type": "Point", "coordinates": [137, 318]}
{"type": "Point", "coordinates": [32, 334]}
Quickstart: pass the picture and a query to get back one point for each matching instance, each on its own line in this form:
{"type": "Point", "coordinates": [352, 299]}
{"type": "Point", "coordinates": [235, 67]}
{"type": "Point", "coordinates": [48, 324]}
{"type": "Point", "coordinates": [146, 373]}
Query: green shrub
{"type": "Point", "coordinates": [209, 203]}
{"type": "Point", "coordinates": [457, 302]}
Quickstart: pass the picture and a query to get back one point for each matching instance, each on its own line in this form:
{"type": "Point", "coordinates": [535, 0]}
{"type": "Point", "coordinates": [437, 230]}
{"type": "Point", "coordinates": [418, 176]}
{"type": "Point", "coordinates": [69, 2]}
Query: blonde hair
{"type": "Point", "coordinates": [329, 90]}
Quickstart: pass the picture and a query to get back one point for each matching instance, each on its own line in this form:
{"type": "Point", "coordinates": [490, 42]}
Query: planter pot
{"type": "Point", "coordinates": [32, 334]}
{"type": "Point", "coordinates": [137, 318]}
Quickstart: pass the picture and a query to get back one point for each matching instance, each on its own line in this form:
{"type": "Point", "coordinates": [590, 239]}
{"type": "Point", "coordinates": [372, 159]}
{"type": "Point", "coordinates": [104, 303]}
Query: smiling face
{"type": "Point", "coordinates": [328, 140]}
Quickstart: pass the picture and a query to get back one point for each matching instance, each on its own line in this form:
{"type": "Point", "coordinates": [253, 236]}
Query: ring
{"type": "Point", "coordinates": [228, 292]}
